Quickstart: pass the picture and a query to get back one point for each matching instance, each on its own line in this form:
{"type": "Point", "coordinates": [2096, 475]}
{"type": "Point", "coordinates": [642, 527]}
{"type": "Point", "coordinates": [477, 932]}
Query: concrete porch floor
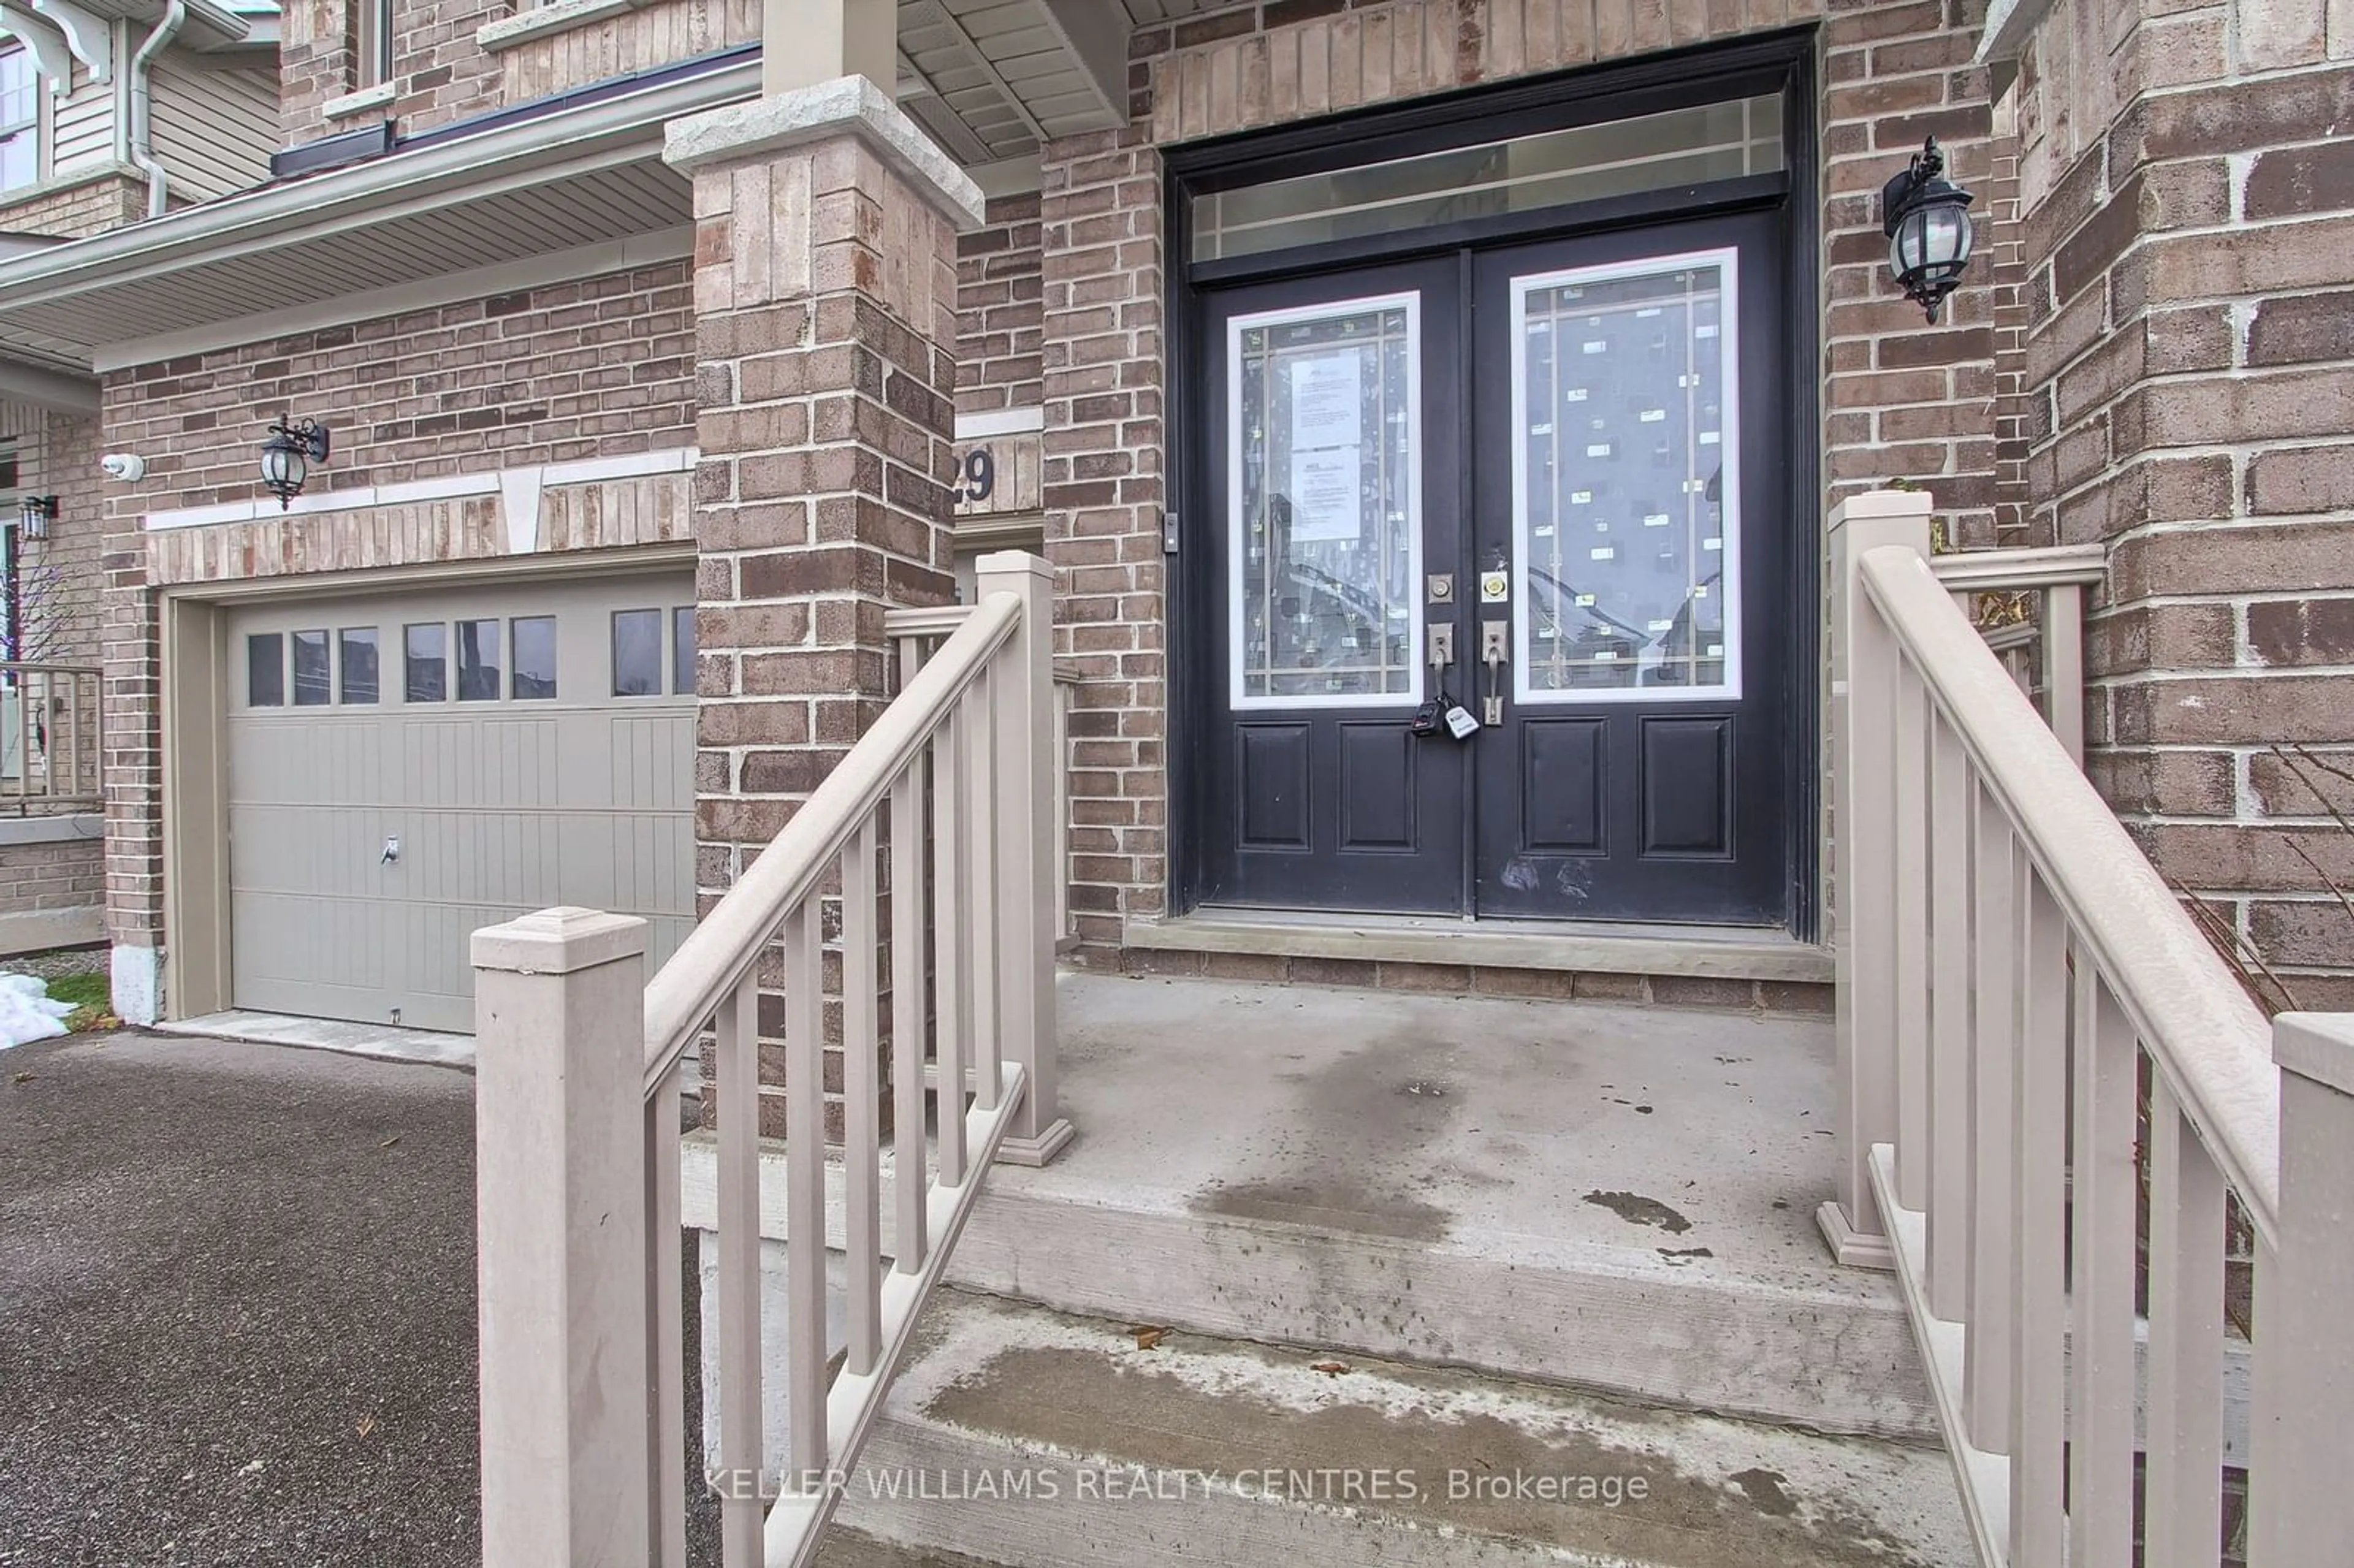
{"type": "Point", "coordinates": [1620, 1198]}
{"type": "Point", "coordinates": [1533, 1131]}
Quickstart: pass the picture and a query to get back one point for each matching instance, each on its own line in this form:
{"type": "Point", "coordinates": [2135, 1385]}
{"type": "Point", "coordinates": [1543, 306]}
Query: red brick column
{"type": "Point", "coordinates": [826, 300]}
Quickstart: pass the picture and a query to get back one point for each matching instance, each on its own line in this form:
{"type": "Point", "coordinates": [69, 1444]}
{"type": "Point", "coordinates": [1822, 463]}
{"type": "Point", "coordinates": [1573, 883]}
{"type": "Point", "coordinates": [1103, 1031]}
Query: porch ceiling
{"type": "Point", "coordinates": [992, 80]}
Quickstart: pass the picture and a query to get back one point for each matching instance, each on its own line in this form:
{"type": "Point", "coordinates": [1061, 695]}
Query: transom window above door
{"type": "Point", "coordinates": [1677, 147]}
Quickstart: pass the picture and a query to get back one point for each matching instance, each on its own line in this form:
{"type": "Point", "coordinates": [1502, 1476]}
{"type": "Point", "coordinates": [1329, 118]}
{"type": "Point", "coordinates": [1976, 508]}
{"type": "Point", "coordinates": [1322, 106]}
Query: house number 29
{"type": "Point", "coordinates": [976, 475]}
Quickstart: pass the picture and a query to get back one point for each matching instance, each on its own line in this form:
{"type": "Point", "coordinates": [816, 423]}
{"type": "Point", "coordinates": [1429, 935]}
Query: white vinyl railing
{"type": "Point", "coordinates": [2011, 970]}
{"type": "Point", "coordinates": [918, 634]}
{"type": "Point", "coordinates": [2044, 650]}
{"type": "Point", "coordinates": [50, 720]}
{"type": "Point", "coordinates": [926, 862]}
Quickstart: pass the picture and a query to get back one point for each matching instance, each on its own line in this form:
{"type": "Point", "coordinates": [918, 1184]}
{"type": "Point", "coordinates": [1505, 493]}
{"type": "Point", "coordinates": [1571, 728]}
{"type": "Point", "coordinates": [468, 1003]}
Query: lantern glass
{"type": "Point", "coordinates": [283, 466]}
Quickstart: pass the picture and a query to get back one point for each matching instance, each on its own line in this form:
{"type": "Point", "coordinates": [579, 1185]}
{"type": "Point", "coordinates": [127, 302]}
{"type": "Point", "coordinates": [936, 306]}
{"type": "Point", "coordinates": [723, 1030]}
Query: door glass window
{"type": "Point", "coordinates": [1624, 481]}
{"type": "Point", "coordinates": [637, 653]}
{"type": "Point", "coordinates": [534, 656]}
{"type": "Point", "coordinates": [359, 663]}
{"type": "Point", "coordinates": [478, 661]}
{"type": "Point", "coordinates": [426, 651]}
{"type": "Point", "coordinates": [265, 670]}
{"type": "Point", "coordinates": [313, 687]}
{"type": "Point", "coordinates": [1324, 501]}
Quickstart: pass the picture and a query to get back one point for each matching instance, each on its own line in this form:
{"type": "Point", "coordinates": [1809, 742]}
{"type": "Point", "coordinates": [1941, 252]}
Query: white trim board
{"type": "Point", "coordinates": [673, 244]}
{"type": "Point", "coordinates": [991, 422]}
{"type": "Point", "coordinates": [518, 488]}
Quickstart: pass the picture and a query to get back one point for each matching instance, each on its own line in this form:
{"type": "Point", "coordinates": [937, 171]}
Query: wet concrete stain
{"type": "Point", "coordinates": [1766, 1490]}
{"type": "Point", "coordinates": [1683, 1254]}
{"type": "Point", "coordinates": [1134, 1410]}
{"type": "Point", "coordinates": [1637, 1209]}
{"type": "Point", "coordinates": [1362, 1117]}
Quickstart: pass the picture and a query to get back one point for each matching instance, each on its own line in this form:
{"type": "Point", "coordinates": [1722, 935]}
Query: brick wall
{"type": "Point", "coordinates": [596, 367]}
{"type": "Point", "coordinates": [443, 70]}
{"type": "Point", "coordinates": [1902, 399]}
{"type": "Point", "coordinates": [317, 61]}
{"type": "Point", "coordinates": [585, 369]}
{"type": "Point", "coordinates": [2190, 228]}
{"type": "Point", "coordinates": [40, 878]}
{"type": "Point", "coordinates": [1000, 285]}
{"type": "Point", "coordinates": [79, 208]}
{"type": "Point", "coordinates": [633, 40]}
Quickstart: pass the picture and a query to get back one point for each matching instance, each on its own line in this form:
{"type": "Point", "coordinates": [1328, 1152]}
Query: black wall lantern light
{"type": "Point", "coordinates": [34, 515]}
{"type": "Point", "coordinates": [287, 457]}
{"type": "Point", "coordinates": [1927, 221]}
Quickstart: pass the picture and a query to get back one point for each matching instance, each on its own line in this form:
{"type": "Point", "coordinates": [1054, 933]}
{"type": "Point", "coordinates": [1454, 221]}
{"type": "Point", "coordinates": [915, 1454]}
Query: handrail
{"type": "Point", "coordinates": [714, 960]}
{"type": "Point", "coordinates": [2009, 571]}
{"type": "Point", "coordinates": [2200, 1029]}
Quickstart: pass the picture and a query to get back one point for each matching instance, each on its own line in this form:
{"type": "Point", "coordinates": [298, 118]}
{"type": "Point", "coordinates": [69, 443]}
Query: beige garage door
{"type": "Point", "coordinates": [403, 768]}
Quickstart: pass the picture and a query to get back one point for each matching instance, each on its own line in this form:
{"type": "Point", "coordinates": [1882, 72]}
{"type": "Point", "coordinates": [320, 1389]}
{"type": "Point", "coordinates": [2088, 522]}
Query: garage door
{"type": "Point", "coordinates": [403, 768]}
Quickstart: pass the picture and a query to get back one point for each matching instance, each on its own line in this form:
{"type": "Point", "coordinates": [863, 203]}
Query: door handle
{"type": "Point", "coordinates": [1495, 649]}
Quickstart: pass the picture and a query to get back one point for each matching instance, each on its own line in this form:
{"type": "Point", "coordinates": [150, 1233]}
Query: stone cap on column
{"type": "Point", "coordinates": [846, 106]}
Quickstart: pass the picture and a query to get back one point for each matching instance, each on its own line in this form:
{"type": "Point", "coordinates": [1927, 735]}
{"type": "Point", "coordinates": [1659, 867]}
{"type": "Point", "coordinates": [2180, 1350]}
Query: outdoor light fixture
{"type": "Point", "coordinates": [1927, 221]}
{"type": "Point", "coordinates": [287, 457]}
{"type": "Point", "coordinates": [34, 515]}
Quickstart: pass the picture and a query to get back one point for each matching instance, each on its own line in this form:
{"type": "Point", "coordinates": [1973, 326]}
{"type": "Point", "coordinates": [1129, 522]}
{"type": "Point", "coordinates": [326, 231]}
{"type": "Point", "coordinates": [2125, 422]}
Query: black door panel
{"type": "Point", "coordinates": [1332, 463]}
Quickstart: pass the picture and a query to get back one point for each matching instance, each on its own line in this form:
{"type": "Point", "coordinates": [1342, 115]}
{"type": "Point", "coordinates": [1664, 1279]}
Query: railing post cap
{"type": "Point", "coordinates": [558, 941]}
{"type": "Point", "coordinates": [1013, 561]}
{"type": "Point", "coordinates": [2317, 1045]}
{"type": "Point", "coordinates": [1883, 504]}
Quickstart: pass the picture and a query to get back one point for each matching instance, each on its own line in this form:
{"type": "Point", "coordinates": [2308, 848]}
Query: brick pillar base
{"type": "Point", "coordinates": [825, 304]}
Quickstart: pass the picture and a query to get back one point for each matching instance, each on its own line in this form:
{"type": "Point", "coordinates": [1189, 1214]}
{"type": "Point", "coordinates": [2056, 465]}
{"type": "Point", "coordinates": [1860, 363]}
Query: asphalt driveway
{"type": "Point", "coordinates": [237, 1307]}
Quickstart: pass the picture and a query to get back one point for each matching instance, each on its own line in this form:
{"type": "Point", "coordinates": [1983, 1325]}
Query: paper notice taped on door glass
{"type": "Point", "coordinates": [1327, 400]}
{"type": "Point", "coordinates": [1324, 495]}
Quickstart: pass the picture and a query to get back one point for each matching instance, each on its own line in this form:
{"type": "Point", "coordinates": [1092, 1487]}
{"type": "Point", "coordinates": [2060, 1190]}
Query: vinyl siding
{"type": "Point", "coordinates": [214, 130]}
{"type": "Point", "coordinates": [85, 126]}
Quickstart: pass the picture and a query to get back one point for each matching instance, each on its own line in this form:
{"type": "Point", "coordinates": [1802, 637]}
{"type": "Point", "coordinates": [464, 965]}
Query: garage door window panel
{"type": "Point", "coordinates": [637, 653]}
{"type": "Point", "coordinates": [314, 677]}
{"type": "Point", "coordinates": [426, 676]}
{"type": "Point", "coordinates": [534, 657]}
{"type": "Point", "coordinates": [265, 670]}
{"type": "Point", "coordinates": [356, 657]}
{"type": "Point", "coordinates": [478, 661]}
{"type": "Point", "coordinates": [681, 641]}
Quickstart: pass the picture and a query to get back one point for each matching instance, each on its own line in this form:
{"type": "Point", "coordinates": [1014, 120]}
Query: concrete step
{"type": "Point", "coordinates": [1022, 1436]}
{"type": "Point", "coordinates": [1620, 1198]}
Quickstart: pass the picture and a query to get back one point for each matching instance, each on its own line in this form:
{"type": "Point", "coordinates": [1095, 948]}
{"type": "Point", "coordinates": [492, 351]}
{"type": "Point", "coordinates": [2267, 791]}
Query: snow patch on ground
{"type": "Point", "coordinates": [26, 1013]}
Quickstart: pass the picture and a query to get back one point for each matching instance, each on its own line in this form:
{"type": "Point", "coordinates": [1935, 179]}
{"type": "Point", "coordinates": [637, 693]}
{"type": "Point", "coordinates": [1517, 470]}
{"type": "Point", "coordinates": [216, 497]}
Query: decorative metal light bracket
{"type": "Point", "coordinates": [287, 457]}
{"type": "Point", "coordinates": [1927, 220]}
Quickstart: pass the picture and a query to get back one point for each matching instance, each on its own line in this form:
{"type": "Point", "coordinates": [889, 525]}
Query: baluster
{"type": "Point", "coordinates": [666, 1346]}
{"type": "Point", "coordinates": [736, 1078]}
{"type": "Point", "coordinates": [804, 1195]}
{"type": "Point", "coordinates": [2063, 651]}
{"type": "Point", "coordinates": [1950, 1134]}
{"type": "Point", "coordinates": [2103, 1193]}
{"type": "Point", "coordinates": [979, 764]}
{"type": "Point", "coordinates": [909, 1245]}
{"type": "Point", "coordinates": [2183, 1487]}
{"type": "Point", "coordinates": [1912, 867]}
{"type": "Point", "coordinates": [862, 1150]}
{"type": "Point", "coordinates": [2040, 1204]}
{"type": "Point", "coordinates": [2000, 868]}
{"type": "Point", "coordinates": [951, 900]}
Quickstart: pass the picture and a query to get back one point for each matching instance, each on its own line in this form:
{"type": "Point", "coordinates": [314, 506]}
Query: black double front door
{"type": "Point", "coordinates": [1541, 488]}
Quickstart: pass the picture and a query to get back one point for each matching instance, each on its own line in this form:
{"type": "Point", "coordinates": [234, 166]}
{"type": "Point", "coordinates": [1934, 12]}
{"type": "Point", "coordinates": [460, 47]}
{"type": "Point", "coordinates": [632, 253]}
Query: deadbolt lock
{"type": "Point", "coordinates": [1442, 588]}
